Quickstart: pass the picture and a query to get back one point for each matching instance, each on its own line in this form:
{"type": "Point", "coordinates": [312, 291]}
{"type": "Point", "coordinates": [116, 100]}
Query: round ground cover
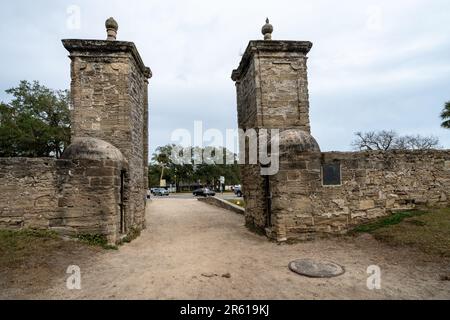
{"type": "Point", "coordinates": [316, 269]}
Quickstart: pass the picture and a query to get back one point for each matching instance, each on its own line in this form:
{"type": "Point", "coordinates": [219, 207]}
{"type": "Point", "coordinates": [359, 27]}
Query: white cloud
{"type": "Point", "coordinates": [388, 56]}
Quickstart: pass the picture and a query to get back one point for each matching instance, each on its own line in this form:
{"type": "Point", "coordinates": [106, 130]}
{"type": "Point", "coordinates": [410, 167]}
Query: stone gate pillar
{"type": "Point", "coordinates": [272, 93]}
{"type": "Point", "coordinates": [109, 101]}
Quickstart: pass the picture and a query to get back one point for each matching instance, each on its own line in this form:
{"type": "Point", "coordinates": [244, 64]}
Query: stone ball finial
{"type": "Point", "coordinates": [267, 30]}
{"type": "Point", "coordinates": [111, 29]}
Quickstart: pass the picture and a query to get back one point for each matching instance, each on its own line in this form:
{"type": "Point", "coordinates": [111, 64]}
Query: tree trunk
{"type": "Point", "coordinates": [162, 174]}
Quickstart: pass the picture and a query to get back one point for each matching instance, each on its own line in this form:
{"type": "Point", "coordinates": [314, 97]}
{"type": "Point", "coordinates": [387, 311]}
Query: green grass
{"type": "Point", "coordinates": [14, 235]}
{"type": "Point", "coordinates": [17, 246]}
{"type": "Point", "coordinates": [20, 239]}
{"type": "Point", "coordinates": [96, 240]}
{"type": "Point", "coordinates": [394, 219]}
{"type": "Point", "coordinates": [132, 235]}
{"type": "Point", "coordinates": [428, 230]}
{"type": "Point", "coordinates": [17, 243]}
{"type": "Point", "coordinates": [237, 202]}
{"type": "Point", "coordinates": [31, 259]}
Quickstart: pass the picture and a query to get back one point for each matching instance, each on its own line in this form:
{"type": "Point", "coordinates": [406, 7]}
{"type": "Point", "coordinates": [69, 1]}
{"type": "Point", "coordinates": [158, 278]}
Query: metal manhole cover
{"type": "Point", "coordinates": [316, 269]}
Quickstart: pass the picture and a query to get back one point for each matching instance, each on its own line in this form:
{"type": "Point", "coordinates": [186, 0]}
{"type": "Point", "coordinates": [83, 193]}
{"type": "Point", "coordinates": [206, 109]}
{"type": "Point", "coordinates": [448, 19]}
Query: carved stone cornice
{"type": "Point", "coordinates": [267, 47]}
{"type": "Point", "coordinates": [99, 47]}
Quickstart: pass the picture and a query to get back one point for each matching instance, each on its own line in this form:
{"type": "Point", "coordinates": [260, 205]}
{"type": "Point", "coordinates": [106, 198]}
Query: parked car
{"type": "Point", "coordinates": [238, 191]}
{"type": "Point", "coordinates": [161, 192]}
{"type": "Point", "coordinates": [204, 192]}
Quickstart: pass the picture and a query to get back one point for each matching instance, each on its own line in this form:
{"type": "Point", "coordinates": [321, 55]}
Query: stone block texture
{"type": "Point", "coordinates": [272, 85]}
{"type": "Point", "coordinates": [373, 184]}
{"type": "Point", "coordinates": [99, 186]}
{"type": "Point", "coordinates": [28, 192]}
{"type": "Point", "coordinates": [217, 202]}
{"type": "Point", "coordinates": [109, 100]}
{"type": "Point", "coordinates": [69, 197]}
{"type": "Point", "coordinates": [272, 93]}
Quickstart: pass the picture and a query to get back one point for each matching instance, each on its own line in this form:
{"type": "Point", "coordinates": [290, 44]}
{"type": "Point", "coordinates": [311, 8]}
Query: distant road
{"type": "Point", "coordinates": [177, 196]}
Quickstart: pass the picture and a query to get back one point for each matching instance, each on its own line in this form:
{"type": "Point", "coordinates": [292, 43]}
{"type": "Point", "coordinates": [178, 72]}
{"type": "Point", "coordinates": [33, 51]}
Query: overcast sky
{"type": "Point", "coordinates": [374, 64]}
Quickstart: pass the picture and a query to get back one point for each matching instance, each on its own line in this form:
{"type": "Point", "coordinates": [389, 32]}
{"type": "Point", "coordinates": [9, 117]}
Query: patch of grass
{"type": "Point", "coordinates": [428, 230]}
{"type": "Point", "coordinates": [237, 202]}
{"type": "Point", "coordinates": [394, 219]}
{"type": "Point", "coordinates": [14, 236]}
{"type": "Point", "coordinates": [96, 240]}
{"type": "Point", "coordinates": [132, 235]}
{"type": "Point", "coordinates": [17, 245]}
{"type": "Point", "coordinates": [12, 240]}
{"type": "Point", "coordinates": [31, 259]}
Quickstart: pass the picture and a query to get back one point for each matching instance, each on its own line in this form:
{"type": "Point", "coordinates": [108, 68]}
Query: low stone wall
{"type": "Point", "coordinates": [222, 204]}
{"type": "Point", "coordinates": [68, 196]}
{"type": "Point", "coordinates": [373, 185]}
{"type": "Point", "coordinates": [28, 192]}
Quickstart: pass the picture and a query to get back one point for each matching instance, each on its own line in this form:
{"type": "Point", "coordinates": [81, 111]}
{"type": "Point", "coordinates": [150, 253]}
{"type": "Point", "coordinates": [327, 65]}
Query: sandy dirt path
{"type": "Point", "coordinates": [188, 247]}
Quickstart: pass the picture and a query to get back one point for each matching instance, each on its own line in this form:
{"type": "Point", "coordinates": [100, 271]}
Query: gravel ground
{"type": "Point", "coordinates": [191, 250]}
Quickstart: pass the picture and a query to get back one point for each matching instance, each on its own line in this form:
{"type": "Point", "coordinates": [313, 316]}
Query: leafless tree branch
{"type": "Point", "coordinates": [389, 140]}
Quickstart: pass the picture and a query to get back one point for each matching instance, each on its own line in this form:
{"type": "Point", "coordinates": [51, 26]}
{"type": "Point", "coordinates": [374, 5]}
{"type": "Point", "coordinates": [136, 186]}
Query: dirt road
{"type": "Point", "coordinates": [194, 251]}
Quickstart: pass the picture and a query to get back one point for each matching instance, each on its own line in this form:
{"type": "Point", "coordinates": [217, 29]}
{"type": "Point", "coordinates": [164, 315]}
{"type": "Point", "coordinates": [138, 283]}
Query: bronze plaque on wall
{"type": "Point", "coordinates": [331, 174]}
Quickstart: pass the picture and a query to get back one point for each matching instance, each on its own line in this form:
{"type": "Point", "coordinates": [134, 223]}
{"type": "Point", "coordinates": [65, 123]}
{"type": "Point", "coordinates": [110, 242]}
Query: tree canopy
{"type": "Point", "coordinates": [36, 123]}
{"type": "Point", "coordinates": [445, 115]}
{"type": "Point", "coordinates": [193, 172]}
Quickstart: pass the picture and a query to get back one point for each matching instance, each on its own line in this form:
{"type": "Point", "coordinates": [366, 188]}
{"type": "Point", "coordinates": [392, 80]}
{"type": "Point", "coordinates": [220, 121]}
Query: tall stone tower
{"type": "Point", "coordinates": [272, 93]}
{"type": "Point", "coordinates": [110, 102]}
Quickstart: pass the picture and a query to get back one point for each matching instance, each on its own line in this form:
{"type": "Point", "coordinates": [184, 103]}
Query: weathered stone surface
{"type": "Point", "coordinates": [447, 165]}
{"type": "Point", "coordinates": [365, 193]}
{"type": "Point", "coordinates": [293, 141]}
{"type": "Point", "coordinates": [56, 194]}
{"type": "Point", "coordinates": [316, 269]}
{"type": "Point", "coordinates": [103, 174]}
{"type": "Point", "coordinates": [272, 85]}
{"type": "Point", "coordinates": [366, 204]}
{"type": "Point", "coordinates": [92, 149]}
{"type": "Point", "coordinates": [215, 201]}
{"type": "Point", "coordinates": [28, 190]}
{"type": "Point", "coordinates": [272, 93]}
{"type": "Point", "coordinates": [109, 96]}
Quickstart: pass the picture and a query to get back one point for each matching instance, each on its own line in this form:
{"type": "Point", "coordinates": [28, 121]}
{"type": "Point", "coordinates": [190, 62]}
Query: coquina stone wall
{"type": "Point", "coordinates": [28, 192]}
{"type": "Point", "coordinates": [71, 197]}
{"type": "Point", "coordinates": [373, 184]}
{"type": "Point", "coordinates": [99, 186]}
{"type": "Point", "coordinates": [298, 202]}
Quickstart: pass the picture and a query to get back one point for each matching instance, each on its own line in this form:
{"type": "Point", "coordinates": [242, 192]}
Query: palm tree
{"type": "Point", "coordinates": [445, 115]}
{"type": "Point", "coordinates": [162, 158]}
